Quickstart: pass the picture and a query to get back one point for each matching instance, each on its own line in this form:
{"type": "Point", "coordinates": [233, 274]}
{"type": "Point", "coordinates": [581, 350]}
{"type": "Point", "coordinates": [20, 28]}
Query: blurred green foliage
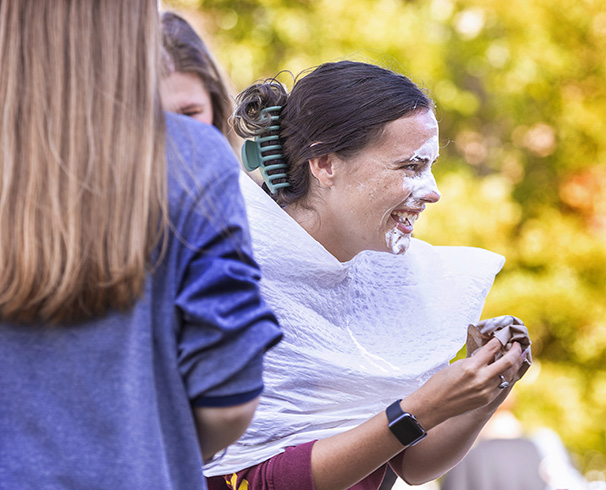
{"type": "Point", "coordinates": [520, 88]}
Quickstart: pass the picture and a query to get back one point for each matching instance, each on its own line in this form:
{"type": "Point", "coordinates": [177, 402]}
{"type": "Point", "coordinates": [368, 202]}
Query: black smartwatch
{"type": "Point", "coordinates": [403, 425]}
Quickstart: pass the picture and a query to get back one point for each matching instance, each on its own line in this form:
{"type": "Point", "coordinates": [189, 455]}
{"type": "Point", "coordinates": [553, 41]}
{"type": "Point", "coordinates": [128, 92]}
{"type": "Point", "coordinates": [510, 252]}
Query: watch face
{"type": "Point", "coordinates": [407, 429]}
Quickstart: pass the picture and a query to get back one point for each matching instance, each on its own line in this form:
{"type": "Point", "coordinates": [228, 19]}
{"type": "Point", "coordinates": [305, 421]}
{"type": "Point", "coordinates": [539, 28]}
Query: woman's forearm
{"type": "Point", "coordinates": [340, 461]}
{"type": "Point", "coordinates": [220, 427]}
{"type": "Point", "coordinates": [465, 394]}
{"type": "Point", "coordinates": [446, 444]}
{"type": "Point", "coordinates": [442, 449]}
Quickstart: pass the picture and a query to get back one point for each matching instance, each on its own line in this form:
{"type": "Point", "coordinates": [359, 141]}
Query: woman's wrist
{"type": "Point", "coordinates": [483, 414]}
{"type": "Point", "coordinates": [427, 414]}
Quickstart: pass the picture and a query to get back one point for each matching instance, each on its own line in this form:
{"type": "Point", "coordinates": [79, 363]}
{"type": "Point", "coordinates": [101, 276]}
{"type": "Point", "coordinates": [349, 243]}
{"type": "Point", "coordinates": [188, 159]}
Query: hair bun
{"type": "Point", "coordinates": [249, 119]}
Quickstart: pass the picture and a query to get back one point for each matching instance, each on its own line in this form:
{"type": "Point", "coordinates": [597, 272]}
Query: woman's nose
{"type": "Point", "coordinates": [432, 196]}
{"type": "Point", "coordinates": [430, 192]}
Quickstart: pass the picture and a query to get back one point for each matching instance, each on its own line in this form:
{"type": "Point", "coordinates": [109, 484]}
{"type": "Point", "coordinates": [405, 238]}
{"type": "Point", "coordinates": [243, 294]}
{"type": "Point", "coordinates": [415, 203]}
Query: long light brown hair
{"type": "Point", "coordinates": [82, 164]}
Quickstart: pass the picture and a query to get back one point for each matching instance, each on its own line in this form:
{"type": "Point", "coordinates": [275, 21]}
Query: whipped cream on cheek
{"type": "Point", "coordinates": [398, 238]}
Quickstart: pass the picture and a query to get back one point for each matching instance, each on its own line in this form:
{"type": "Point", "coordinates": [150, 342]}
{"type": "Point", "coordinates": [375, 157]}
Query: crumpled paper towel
{"type": "Point", "coordinates": [508, 329]}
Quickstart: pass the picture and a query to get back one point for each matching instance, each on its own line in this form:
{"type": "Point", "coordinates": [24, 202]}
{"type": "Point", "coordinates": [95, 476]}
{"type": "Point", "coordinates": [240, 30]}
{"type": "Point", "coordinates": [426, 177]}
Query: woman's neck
{"type": "Point", "coordinates": [319, 226]}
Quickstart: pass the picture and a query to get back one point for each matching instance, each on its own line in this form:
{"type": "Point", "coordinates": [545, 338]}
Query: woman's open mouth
{"type": "Point", "coordinates": [405, 220]}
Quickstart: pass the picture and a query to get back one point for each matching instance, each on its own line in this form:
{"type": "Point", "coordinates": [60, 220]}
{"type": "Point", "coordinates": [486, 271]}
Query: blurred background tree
{"type": "Point", "coordinates": [520, 88]}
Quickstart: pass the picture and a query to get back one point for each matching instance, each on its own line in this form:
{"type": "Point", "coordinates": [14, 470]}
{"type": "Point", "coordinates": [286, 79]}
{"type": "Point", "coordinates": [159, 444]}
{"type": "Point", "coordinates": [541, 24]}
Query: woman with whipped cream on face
{"type": "Point", "coordinates": [371, 316]}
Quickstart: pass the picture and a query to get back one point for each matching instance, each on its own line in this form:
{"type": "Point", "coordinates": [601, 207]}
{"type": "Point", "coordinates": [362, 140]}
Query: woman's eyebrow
{"type": "Point", "coordinates": [421, 159]}
{"type": "Point", "coordinates": [414, 159]}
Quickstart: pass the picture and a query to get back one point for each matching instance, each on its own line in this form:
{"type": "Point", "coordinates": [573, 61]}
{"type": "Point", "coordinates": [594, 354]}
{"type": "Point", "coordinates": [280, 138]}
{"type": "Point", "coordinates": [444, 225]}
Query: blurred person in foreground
{"type": "Point", "coordinates": [132, 332]}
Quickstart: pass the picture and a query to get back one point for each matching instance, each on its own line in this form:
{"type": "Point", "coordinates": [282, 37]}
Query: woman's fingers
{"type": "Point", "coordinates": [474, 382]}
{"type": "Point", "coordinates": [485, 356]}
{"type": "Point", "coordinates": [493, 374]}
{"type": "Point", "coordinates": [487, 353]}
{"type": "Point", "coordinates": [508, 365]}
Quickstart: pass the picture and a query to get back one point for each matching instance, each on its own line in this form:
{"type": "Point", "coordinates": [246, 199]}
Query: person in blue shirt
{"type": "Point", "coordinates": [132, 331]}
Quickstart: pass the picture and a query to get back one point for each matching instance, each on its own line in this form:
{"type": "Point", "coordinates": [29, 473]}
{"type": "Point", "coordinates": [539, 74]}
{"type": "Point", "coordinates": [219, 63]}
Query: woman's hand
{"type": "Point", "coordinates": [340, 461]}
{"type": "Point", "coordinates": [468, 384]}
{"type": "Point", "coordinates": [453, 406]}
{"type": "Point", "coordinates": [512, 377]}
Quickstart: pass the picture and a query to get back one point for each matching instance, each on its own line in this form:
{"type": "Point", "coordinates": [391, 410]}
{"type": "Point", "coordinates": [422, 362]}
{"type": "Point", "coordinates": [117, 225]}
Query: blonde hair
{"type": "Point", "coordinates": [82, 164]}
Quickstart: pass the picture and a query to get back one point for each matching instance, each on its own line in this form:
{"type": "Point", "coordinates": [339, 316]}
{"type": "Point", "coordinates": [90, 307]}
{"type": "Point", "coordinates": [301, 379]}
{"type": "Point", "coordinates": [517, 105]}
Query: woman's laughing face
{"type": "Point", "coordinates": [378, 195]}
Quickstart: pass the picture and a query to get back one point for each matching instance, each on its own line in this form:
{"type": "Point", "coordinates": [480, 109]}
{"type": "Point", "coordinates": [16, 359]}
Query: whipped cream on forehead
{"type": "Point", "coordinates": [430, 150]}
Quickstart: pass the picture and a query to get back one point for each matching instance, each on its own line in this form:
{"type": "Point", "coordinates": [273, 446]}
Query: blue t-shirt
{"type": "Point", "coordinates": [107, 404]}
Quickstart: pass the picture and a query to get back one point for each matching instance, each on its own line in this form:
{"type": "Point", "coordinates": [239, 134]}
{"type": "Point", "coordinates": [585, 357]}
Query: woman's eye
{"type": "Point", "coordinates": [410, 166]}
{"type": "Point", "coordinates": [191, 113]}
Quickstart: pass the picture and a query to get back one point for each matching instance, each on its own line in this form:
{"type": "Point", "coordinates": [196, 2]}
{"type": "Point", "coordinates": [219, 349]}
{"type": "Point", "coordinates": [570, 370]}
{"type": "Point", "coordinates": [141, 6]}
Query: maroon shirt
{"type": "Point", "coordinates": [290, 470]}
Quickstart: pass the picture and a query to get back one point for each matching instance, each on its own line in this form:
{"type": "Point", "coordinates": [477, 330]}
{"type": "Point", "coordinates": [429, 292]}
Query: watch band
{"type": "Point", "coordinates": [403, 425]}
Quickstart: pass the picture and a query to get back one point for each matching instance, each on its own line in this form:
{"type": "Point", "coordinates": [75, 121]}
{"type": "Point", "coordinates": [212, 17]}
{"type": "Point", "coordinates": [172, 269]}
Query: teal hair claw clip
{"type": "Point", "coordinates": [254, 154]}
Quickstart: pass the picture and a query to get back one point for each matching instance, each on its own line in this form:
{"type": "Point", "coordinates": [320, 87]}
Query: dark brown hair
{"type": "Point", "coordinates": [337, 108]}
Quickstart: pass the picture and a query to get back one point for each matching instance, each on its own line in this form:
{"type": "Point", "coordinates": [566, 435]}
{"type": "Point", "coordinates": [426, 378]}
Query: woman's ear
{"type": "Point", "coordinates": [323, 169]}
